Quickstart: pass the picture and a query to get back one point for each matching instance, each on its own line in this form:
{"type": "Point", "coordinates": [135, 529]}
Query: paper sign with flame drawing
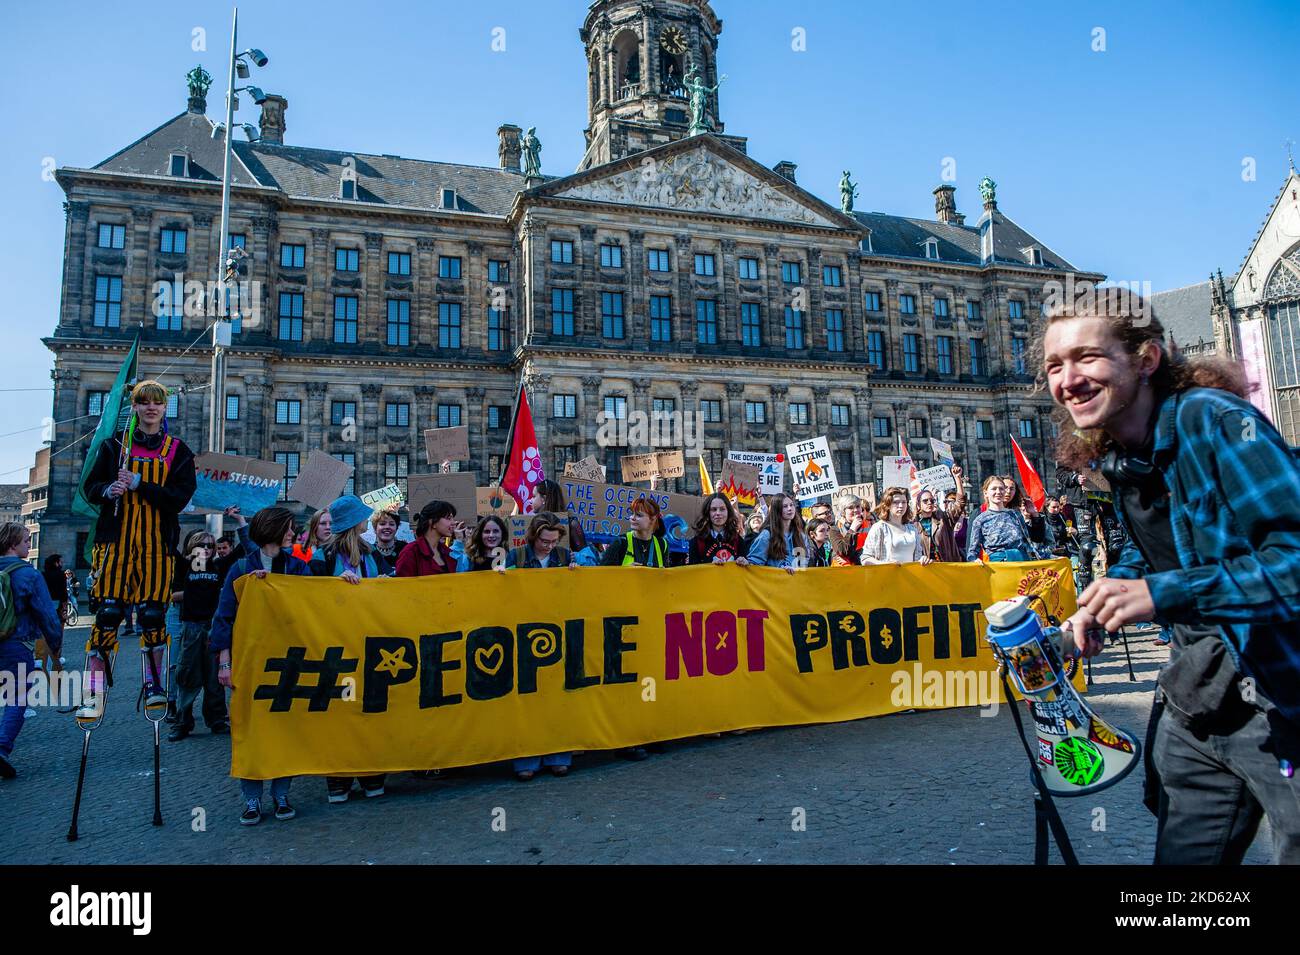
{"type": "Point", "coordinates": [810, 463]}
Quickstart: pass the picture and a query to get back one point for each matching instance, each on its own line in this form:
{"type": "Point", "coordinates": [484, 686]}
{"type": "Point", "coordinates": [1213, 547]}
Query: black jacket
{"type": "Point", "coordinates": [169, 499]}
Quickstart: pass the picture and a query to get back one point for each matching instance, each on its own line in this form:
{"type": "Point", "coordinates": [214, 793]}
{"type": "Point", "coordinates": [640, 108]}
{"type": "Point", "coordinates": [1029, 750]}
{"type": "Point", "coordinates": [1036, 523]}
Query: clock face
{"type": "Point", "coordinates": [673, 41]}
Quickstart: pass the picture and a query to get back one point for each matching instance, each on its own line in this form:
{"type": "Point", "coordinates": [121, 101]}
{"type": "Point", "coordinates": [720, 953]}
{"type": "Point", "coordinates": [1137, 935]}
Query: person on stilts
{"type": "Point", "coordinates": [143, 479]}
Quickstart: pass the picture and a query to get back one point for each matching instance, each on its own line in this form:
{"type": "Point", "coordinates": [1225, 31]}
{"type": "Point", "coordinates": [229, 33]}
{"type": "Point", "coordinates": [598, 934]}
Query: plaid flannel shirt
{"type": "Point", "coordinates": [1234, 505]}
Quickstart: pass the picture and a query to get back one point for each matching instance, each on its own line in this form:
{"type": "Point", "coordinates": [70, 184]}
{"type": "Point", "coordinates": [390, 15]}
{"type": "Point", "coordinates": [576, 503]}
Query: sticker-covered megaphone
{"type": "Point", "coordinates": [1078, 752]}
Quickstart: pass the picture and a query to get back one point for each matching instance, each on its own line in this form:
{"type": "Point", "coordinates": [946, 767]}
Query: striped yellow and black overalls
{"type": "Point", "coordinates": [137, 568]}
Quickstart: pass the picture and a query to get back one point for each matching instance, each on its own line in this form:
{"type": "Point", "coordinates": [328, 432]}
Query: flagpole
{"type": "Point", "coordinates": [510, 437]}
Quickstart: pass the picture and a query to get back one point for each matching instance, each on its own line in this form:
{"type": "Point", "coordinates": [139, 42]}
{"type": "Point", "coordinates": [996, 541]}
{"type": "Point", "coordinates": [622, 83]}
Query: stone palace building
{"type": "Point", "coordinates": [671, 272]}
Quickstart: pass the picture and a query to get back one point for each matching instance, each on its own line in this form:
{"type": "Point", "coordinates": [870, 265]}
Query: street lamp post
{"type": "Point", "coordinates": [226, 265]}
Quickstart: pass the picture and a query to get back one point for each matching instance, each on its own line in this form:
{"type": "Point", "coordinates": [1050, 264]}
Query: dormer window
{"type": "Point", "coordinates": [179, 165]}
{"type": "Point", "coordinates": [1033, 255]}
{"type": "Point", "coordinates": [932, 248]}
{"type": "Point", "coordinates": [347, 188]}
{"type": "Point", "coordinates": [449, 198]}
{"type": "Point", "coordinates": [865, 244]}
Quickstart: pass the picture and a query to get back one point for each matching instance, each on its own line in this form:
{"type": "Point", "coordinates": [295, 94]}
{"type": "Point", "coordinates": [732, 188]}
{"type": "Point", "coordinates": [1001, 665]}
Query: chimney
{"type": "Point", "coordinates": [508, 149]}
{"type": "Point", "coordinates": [785, 169]}
{"type": "Point", "coordinates": [272, 125]}
{"type": "Point", "coordinates": [945, 206]}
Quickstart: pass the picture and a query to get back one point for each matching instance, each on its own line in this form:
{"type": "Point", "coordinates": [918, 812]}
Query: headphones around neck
{"type": "Point", "coordinates": [1129, 470]}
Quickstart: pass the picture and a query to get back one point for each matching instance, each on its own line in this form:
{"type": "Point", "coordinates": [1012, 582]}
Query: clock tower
{"type": "Point", "coordinates": [640, 53]}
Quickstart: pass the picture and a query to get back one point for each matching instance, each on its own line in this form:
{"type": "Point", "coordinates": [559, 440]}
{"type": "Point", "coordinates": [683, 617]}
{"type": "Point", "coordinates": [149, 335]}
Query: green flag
{"type": "Point", "coordinates": [112, 420]}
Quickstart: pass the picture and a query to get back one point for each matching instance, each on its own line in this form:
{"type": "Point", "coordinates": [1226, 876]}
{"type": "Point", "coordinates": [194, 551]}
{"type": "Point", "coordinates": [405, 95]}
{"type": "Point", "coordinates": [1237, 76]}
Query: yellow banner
{"type": "Point", "coordinates": [426, 673]}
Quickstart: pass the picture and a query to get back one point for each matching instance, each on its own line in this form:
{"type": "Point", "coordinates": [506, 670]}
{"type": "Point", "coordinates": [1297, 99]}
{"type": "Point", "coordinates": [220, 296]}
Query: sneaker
{"type": "Point", "coordinates": [635, 753]}
{"type": "Point", "coordinates": [284, 811]}
{"type": "Point", "coordinates": [179, 732]}
{"type": "Point", "coordinates": [155, 697]}
{"type": "Point", "coordinates": [220, 729]}
{"type": "Point", "coordinates": [172, 716]}
{"type": "Point", "coordinates": [252, 814]}
{"type": "Point", "coordinates": [7, 770]}
{"type": "Point", "coordinates": [340, 794]}
{"type": "Point", "coordinates": [92, 708]}
{"type": "Point", "coordinates": [559, 770]}
{"type": "Point", "coordinates": [373, 791]}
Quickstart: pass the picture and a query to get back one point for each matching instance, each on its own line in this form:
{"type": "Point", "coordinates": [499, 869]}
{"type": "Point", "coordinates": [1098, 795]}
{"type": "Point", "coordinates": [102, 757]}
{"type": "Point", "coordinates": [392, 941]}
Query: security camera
{"type": "Point", "coordinates": [259, 58]}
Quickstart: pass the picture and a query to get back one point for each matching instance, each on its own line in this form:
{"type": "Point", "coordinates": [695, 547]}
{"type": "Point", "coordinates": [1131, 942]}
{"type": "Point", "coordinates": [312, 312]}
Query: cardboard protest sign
{"type": "Point", "coordinates": [227, 480]}
{"type": "Point", "coordinates": [447, 444]}
{"type": "Point", "coordinates": [456, 488]}
{"type": "Point", "coordinates": [898, 472]}
{"type": "Point", "coordinates": [656, 464]}
{"type": "Point", "coordinates": [589, 469]}
{"type": "Point", "coordinates": [321, 480]}
{"type": "Point", "coordinates": [771, 469]}
{"type": "Point", "coordinates": [942, 452]}
{"type": "Point", "coordinates": [519, 527]}
{"type": "Point", "coordinates": [388, 496]}
{"type": "Point", "coordinates": [937, 480]}
{"type": "Point", "coordinates": [739, 481]}
{"type": "Point", "coordinates": [493, 500]}
{"type": "Point", "coordinates": [813, 470]}
{"type": "Point", "coordinates": [603, 510]}
{"type": "Point", "coordinates": [864, 492]}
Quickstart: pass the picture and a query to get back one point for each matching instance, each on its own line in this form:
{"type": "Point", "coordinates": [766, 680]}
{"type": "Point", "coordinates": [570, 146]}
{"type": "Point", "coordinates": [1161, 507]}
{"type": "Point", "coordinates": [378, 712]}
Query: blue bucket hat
{"type": "Point", "coordinates": [347, 512]}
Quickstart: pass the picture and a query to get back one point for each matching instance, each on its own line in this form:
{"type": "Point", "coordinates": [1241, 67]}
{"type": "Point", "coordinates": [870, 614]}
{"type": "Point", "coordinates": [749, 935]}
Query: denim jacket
{"type": "Point", "coordinates": [37, 615]}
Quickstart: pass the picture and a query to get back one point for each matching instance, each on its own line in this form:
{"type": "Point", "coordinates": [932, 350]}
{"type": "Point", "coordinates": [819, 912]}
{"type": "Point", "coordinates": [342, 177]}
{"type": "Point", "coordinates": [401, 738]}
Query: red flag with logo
{"type": "Point", "coordinates": [523, 458]}
{"type": "Point", "coordinates": [1029, 478]}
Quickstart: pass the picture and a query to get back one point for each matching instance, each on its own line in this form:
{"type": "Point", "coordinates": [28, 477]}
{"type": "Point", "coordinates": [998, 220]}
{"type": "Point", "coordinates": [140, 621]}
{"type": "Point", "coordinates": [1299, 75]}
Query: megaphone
{"type": "Point", "coordinates": [1078, 752]}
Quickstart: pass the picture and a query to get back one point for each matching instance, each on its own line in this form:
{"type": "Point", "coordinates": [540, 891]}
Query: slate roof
{"type": "Point", "coordinates": [308, 173]}
{"type": "Point", "coordinates": [1185, 313]}
{"type": "Point", "coordinates": [12, 496]}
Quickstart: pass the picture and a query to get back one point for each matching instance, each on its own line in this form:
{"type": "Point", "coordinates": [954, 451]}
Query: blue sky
{"type": "Point", "coordinates": [1127, 161]}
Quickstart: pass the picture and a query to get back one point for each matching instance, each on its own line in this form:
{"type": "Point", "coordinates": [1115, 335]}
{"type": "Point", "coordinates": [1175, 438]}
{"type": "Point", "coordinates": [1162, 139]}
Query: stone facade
{"type": "Point", "coordinates": [856, 326]}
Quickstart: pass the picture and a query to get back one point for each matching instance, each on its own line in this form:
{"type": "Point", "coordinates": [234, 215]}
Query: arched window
{"type": "Point", "coordinates": [627, 65]}
{"type": "Point", "coordinates": [1284, 282]}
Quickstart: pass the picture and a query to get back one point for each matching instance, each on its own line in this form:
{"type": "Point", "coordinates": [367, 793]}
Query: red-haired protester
{"type": "Point", "coordinates": [646, 544]}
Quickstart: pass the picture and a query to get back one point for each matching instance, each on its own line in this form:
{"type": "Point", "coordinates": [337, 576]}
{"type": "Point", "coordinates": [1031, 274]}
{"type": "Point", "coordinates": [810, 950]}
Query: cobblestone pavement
{"type": "Point", "coordinates": [942, 787]}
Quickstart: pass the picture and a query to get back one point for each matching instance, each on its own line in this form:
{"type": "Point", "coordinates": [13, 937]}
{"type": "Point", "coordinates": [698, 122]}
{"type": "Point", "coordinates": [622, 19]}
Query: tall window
{"type": "Point", "coordinates": [1015, 309]}
{"type": "Point", "coordinates": [705, 263]}
{"type": "Point", "coordinates": [973, 311]}
{"type": "Point", "coordinates": [350, 459]}
{"type": "Point", "coordinates": [232, 407]}
{"type": "Point", "coordinates": [793, 328]}
{"type": "Point", "coordinates": [108, 301]}
{"type": "Point", "coordinates": [499, 271]}
{"type": "Point", "coordinates": [564, 406]}
{"type": "Point", "coordinates": [615, 407]}
{"type": "Point", "coordinates": [611, 314]}
{"type": "Point", "coordinates": [660, 407]}
{"type": "Point", "coordinates": [397, 414]}
{"type": "Point", "coordinates": [345, 319]}
{"type": "Point", "coordinates": [498, 415]}
{"type": "Point", "coordinates": [496, 330]}
{"type": "Point", "coordinates": [95, 402]}
{"type": "Point", "coordinates": [911, 352]}
{"type": "Point", "coordinates": [562, 311]}
{"type": "Point", "coordinates": [881, 427]}
{"type": "Point", "coordinates": [171, 312]}
{"type": "Point", "coordinates": [943, 354]}
{"type": "Point", "coordinates": [288, 411]}
{"type": "Point", "coordinates": [292, 256]}
{"type": "Point", "coordinates": [748, 268]}
{"type": "Point", "coordinates": [907, 304]}
{"type": "Point", "coordinates": [448, 266]}
{"type": "Point", "coordinates": [657, 260]}
{"type": "Point", "coordinates": [940, 308]}
{"type": "Point", "coordinates": [798, 412]}
{"type": "Point", "coordinates": [172, 241]}
{"type": "Point", "coordinates": [347, 260]}
{"type": "Point", "coordinates": [832, 276]}
{"type": "Point", "coordinates": [395, 470]}
{"type": "Point", "coordinates": [112, 236]}
{"type": "Point", "coordinates": [876, 349]}
{"type": "Point", "coordinates": [984, 429]}
{"type": "Point", "coordinates": [840, 416]}
{"type": "Point", "coordinates": [290, 461]}
{"type": "Point", "coordinates": [611, 256]}
{"type": "Point", "coordinates": [871, 301]}
{"type": "Point", "coordinates": [661, 318]}
{"type": "Point", "coordinates": [834, 329]}
{"type": "Point", "coordinates": [751, 325]}
{"type": "Point", "coordinates": [343, 413]}
{"type": "Point", "coordinates": [448, 416]}
{"type": "Point", "coordinates": [706, 322]}
{"type": "Point", "coordinates": [561, 252]}
{"type": "Point", "coordinates": [399, 263]}
{"type": "Point", "coordinates": [1018, 355]}
{"type": "Point", "coordinates": [399, 321]}
{"type": "Point", "coordinates": [916, 427]}
{"type": "Point", "coordinates": [448, 324]}
{"type": "Point", "coordinates": [711, 410]}
{"type": "Point", "coordinates": [755, 412]}
{"type": "Point", "coordinates": [290, 317]}
{"type": "Point", "coordinates": [1026, 427]}
{"type": "Point", "coordinates": [977, 356]}
{"type": "Point", "coordinates": [791, 273]}
{"type": "Point", "coordinates": [237, 240]}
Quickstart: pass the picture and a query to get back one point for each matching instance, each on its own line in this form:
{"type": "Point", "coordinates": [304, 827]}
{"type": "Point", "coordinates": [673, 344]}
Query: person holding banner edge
{"type": "Point", "coordinates": [894, 538]}
{"type": "Point", "coordinates": [1209, 493]}
{"type": "Point", "coordinates": [783, 537]}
